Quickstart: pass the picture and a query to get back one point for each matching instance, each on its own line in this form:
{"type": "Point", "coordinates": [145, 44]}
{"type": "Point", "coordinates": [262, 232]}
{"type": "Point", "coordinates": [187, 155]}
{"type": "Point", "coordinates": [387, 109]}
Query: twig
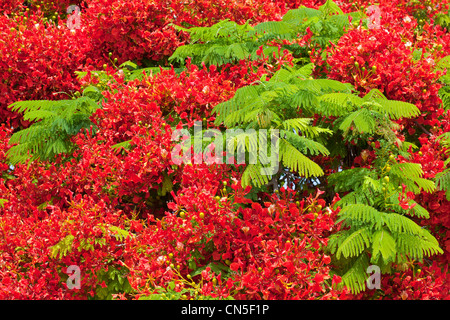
{"type": "Point", "coordinates": [423, 129]}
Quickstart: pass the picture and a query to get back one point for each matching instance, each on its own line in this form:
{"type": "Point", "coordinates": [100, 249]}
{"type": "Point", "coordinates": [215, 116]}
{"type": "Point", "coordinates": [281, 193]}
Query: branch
{"type": "Point", "coordinates": [423, 129]}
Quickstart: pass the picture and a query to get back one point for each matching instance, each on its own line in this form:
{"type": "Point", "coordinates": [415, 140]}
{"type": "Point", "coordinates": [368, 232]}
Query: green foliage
{"type": "Point", "coordinates": [442, 179]}
{"type": "Point", "coordinates": [223, 42]}
{"type": "Point", "coordinates": [166, 185]}
{"type": "Point", "coordinates": [169, 293]}
{"type": "Point", "coordinates": [115, 280]}
{"type": "Point", "coordinates": [444, 92]}
{"type": "Point", "coordinates": [54, 123]}
{"type": "Point", "coordinates": [379, 238]}
{"type": "Point", "coordinates": [274, 105]}
{"type": "Point", "coordinates": [124, 145]}
{"type": "Point", "coordinates": [256, 174]}
{"type": "Point", "coordinates": [62, 248]}
{"type": "Point", "coordinates": [369, 115]}
{"type": "Point", "coordinates": [443, 19]}
{"type": "Point", "coordinates": [2, 202]}
{"type": "Point", "coordinates": [368, 186]}
{"type": "Point", "coordinates": [295, 160]}
{"type": "Point", "coordinates": [65, 245]}
{"type": "Point", "coordinates": [112, 279]}
{"type": "Point", "coordinates": [228, 42]}
{"type": "Point", "coordinates": [443, 182]}
{"type": "Point", "coordinates": [374, 100]}
{"type": "Point", "coordinates": [375, 227]}
{"type": "Point", "coordinates": [327, 24]}
{"type": "Point", "coordinates": [191, 289]}
{"type": "Point", "coordinates": [356, 119]}
{"type": "Point", "coordinates": [350, 179]}
{"type": "Point", "coordinates": [132, 71]}
{"type": "Point", "coordinates": [410, 174]}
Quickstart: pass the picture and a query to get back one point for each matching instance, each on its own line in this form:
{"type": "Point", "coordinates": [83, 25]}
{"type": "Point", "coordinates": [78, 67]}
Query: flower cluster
{"type": "Point", "coordinates": [76, 208]}
{"type": "Point", "coordinates": [426, 282]}
{"type": "Point", "coordinates": [39, 60]}
{"type": "Point", "coordinates": [143, 30]}
{"type": "Point", "coordinates": [257, 252]}
{"type": "Point", "coordinates": [138, 225]}
{"type": "Point", "coordinates": [377, 59]}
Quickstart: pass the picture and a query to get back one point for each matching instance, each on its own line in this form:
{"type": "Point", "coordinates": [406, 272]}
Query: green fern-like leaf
{"type": "Point", "coordinates": [361, 120]}
{"type": "Point", "coordinates": [194, 51]}
{"type": "Point", "coordinates": [443, 182]}
{"type": "Point", "coordinates": [354, 244]}
{"type": "Point", "coordinates": [383, 243]}
{"type": "Point", "coordinates": [330, 8]}
{"type": "Point", "coordinates": [417, 246]}
{"type": "Point", "coordinates": [36, 105]}
{"type": "Point", "coordinates": [411, 175]}
{"type": "Point", "coordinates": [443, 63]}
{"type": "Point", "coordinates": [277, 29]}
{"type": "Point", "coordinates": [119, 233]}
{"type": "Point", "coordinates": [242, 97]}
{"type": "Point", "coordinates": [353, 197]}
{"type": "Point", "coordinates": [355, 277]}
{"type": "Point", "coordinates": [62, 248]}
{"type": "Point", "coordinates": [55, 122]}
{"type": "Point", "coordinates": [282, 75]}
{"type": "Point", "coordinates": [338, 104]}
{"type": "Point", "coordinates": [125, 145]}
{"type": "Point", "coordinates": [255, 174]}
{"type": "Point", "coordinates": [227, 41]}
{"type": "Point", "coordinates": [2, 202]}
{"type": "Point", "coordinates": [349, 179]}
{"type": "Point", "coordinates": [401, 224]}
{"type": "Point", "coordinates": [363, 213]}
{"type": "Point", "coordinates": [328, 85]}
{"type": "Point", "coordinates": [302, 14]}
{"type": "Point", "coordinates": [303, 72]}
{"type": "Point", "coordinates": [244, 142]}
{"type": "Point", "coordinates": [306, 101]}
{"type": "Point", "coordinates": [396, 109]}
{"type": "Point", "coordinates": [303, 126]}
{"type": "Point", "coordinates": [405, 170]}
{"type": "Point", "coordinates": [304, 144]}
{"type": "Point", "coordinates": [416, 211]}
{"type": "Point", "coordinates": [297, 162]}
{"type": "Point", "coordinates": [444, 94]}
{"type": "Point", "coordinates": [386, 237]}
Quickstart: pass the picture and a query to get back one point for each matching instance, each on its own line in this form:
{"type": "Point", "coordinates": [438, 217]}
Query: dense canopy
{"type": "Point", "coordinates": [224, 149]}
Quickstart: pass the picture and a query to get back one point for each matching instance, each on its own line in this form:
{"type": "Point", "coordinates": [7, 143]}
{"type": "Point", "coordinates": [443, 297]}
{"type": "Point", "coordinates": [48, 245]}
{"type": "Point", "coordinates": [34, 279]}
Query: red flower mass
{"type": "Point", "coordinates": [135, 223]}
